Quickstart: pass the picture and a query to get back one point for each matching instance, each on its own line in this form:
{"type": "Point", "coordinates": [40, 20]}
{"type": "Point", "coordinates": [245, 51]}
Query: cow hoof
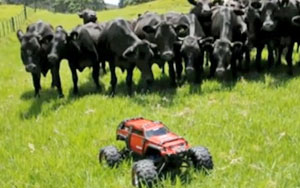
{"type": "Point", "coordinates": [61, 96]}
{"type": "Point", "coordinates": [37, 95]}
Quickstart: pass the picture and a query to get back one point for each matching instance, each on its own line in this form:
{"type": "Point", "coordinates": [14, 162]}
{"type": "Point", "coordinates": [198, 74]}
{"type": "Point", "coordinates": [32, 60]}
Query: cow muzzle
{"type": "Point", "coordinates": [52, 58]}
{"type": "Point", "coordinates": [168, 56]}
{"type": "Point", "coordinates": [190, 73]}
{"type": "Point", "coordinates": [220, 72]}
{"type": "Point", "coordinates": [268, 26]}
{"type": "Point", "coordinates": [31, 68]}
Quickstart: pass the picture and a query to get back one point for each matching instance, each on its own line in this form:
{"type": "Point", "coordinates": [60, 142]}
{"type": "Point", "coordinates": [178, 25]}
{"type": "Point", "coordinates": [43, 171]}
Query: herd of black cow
{"type": "Point", "coordinates": [223, 33]}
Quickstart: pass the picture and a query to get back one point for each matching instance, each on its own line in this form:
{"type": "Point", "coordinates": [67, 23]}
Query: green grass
{"type": "Point", "coordinates": [251, 127]}
{"type": "Point", "coordinates": [7, 11]}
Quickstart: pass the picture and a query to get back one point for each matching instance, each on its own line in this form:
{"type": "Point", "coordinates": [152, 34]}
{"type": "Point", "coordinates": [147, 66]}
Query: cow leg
{"type": "Point", "coordinates": [280, 49]}
{"type": "Point", "coordinates": [234, 67]}
{"type": "Point", "coordinates": [36, 83]}
{"type": "Point", "coordinates": [129, 79]}
{"type": "Point", "coordinates": [199, 68]}
{"type": "Point", "coordinates": [172, 74]}
{"type": "Point", "coordinates": [289, 59]}
{"type": "Point", "coordinates": [75, 79]}
{"type": "Point", "coordinates": [96, 69]}
{"type": "Point", "coordinates": [213, 66]}
{"type": "Point", "coordinates": [56, 79]}
{"type": "Point", "coordinates": [247, 59]}
{"type": "Point", "coordinates": [258, 58]}
{"type": "Point", "coordinates": [114, 79]}
{"type": "Point", "coordinates": [103, 66]}
{"type": "Point", "coordinates": [179, 67]}
{"type": "Point", "coordinates": [270, 56]}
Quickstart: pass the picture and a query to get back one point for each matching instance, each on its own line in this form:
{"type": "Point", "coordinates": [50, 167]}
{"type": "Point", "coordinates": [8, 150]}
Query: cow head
{"type": "Point", "coordinates": [34, 48]}
{"type": "Point", "coordinates": [59, 45]}
{"type": "Point", "coordinates": [202, 7]}
{"type": "Point", "coordinates": [222, 54]}
{"type": "Point", "coordinates": [88, 16]}
{"type": "Point", "coordinates": [141, 54]}
{"type": "Point", "coordinates": [164, 36]}
{"type": "Point", "coordinates": [269, 15]}
{"type": "Point", "coordinates": [191, 50]}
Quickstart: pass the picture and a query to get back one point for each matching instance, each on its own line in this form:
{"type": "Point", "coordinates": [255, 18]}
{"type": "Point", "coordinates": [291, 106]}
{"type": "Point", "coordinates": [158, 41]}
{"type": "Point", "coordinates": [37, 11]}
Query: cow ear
{"type": "Point", "coordinates": [74, 35]}
{"type": "Point", "coordinates": [207, 40]}
{"type": "Point", "coordinates": [148, 29]}
{"type": "Point", "coordinates": [80, 14]}
{"type": "Point", "coordinates": [178, 42]}
{"type": "Point", "coordinates": [182, 31]}
{"type": "Point", "coordinates": [296, 20]}
{"type": "Point", "coordinates": [236, 45]}
{"type": "Point", "coordinates": [193, 2]}
{"type": "Point", "coordinates": [239, 12]}
{"type": "Point", "coordinates": [20, 35]}
{"type": "Point", "coordinates": [129, 53]}
{"type": "Point", "coordinates": [206, 43]}
{"type": "Point", "coordinates": [151, 45]}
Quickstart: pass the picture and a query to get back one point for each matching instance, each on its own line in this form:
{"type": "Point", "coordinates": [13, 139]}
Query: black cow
{"type": "Point", "coordinates": [191, 45]}
{"type": "Point", "coordinates": [254, 32]}
{"type": "Point", "coordinates": [122, 48]}
{"type": "Point", "coordinates": [35, 46]}
{"type": "Point", "coordinates": [288, 31]}
{"type": "Point", "coordinates": [88, 16]}
{"type": "Point", "coordinates": [228, 31]}
{"type": "Point", "coordinates": [79, 48]}
{"type": "Point", "coordinates": [203, 12]}
{"type": "Point", "coordinates": [156, 29]}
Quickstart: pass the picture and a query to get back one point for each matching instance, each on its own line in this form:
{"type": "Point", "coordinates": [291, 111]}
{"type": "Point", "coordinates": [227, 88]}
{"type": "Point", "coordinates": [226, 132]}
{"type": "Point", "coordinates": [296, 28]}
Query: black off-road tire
{"type": "Point", "coordinates": [144, 173]}
{"type": "Point", "coordinates": [110, 155]}
{"type": "Point", "coordinates": [201, 158]}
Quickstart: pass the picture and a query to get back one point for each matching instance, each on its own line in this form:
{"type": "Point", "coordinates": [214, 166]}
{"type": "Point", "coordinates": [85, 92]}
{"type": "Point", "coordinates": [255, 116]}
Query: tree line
{"type": "Point", "coordinates": [124, 3]}
{"type": "Point", "coordinates": [65, 6]}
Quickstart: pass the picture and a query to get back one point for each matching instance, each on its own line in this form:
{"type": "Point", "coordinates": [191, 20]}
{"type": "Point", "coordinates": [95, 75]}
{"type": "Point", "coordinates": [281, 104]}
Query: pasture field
{"type": "Point", "coordinates": [7, 11]}
{"type": "Point", "coordinates": [250, 126]}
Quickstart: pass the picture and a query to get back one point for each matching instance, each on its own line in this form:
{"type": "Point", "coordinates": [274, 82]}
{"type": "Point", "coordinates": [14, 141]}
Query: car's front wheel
{"type": "Point", "coordinates": [144, 173]}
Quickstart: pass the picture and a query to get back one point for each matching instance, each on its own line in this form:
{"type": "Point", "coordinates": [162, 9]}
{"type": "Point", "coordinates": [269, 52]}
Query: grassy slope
{"type": "Point", "coordinates": [8, 11]}
{"type": "Point", "coordinates": [251, 127]}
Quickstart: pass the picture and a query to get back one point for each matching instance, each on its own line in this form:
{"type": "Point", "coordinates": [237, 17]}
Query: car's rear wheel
{"type": "Point", "coordinates": [144, 173]}
{"type": "Point", "coordinates": [201, 158]}
{"type": "Point", "coordinates": [110, 156]}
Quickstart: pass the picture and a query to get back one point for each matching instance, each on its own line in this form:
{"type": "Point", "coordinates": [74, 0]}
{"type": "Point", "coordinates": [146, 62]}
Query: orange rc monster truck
{"type": "Point", "coordinates": [156, 150]}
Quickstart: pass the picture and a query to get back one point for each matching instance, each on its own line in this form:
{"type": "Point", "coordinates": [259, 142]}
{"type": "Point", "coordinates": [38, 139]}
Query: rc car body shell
{"type": "Point", "coordinates": [143, 136]}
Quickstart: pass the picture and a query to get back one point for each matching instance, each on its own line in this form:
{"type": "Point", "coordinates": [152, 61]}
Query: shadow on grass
{"type": "Point", "coordinates": [273, 77]}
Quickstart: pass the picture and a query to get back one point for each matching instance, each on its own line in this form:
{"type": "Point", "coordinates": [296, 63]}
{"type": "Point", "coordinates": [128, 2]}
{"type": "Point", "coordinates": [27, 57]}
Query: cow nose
{"type": "Point", "coordinates": [268, 26]}
{"type": "Point", "coordinates": [30, 68]}
{"type": "Point", "coordinates": [220, 71]}
{"type": "Point", "coordinates": [206, 12]}
{"type": "Point", "coordinates": [167, 56]}
{"type": "Point", "coordinates": [190, 73]}
{"type": "Point", "coordinates": [190, 70]}
{"type": "Point", "coordinates": [52, 58]}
